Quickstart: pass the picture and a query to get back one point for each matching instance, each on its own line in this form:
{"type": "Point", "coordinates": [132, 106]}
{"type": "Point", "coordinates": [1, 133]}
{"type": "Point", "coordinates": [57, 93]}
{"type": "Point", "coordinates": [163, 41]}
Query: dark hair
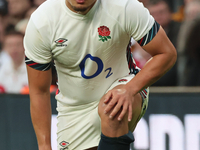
{"type": "Point", "coordinates": [155, 2]}
{"type": "Point", "coordinates": [14, 32]}
{"type": "Point", "coordinates": [3, 7]}
{"type": "Point", "coordinates": [10, 30]}
{"type": "Point", "coordinates": [11, 33]}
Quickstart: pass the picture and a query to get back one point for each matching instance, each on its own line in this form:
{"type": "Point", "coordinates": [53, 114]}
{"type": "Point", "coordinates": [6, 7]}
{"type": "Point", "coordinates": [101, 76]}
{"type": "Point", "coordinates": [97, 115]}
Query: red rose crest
{"type": "Point", "coordinates": [104, 33]}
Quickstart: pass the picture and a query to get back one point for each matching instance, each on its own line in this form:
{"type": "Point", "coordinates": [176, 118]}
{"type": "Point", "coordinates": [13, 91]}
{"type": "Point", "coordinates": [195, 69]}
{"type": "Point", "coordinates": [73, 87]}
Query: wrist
{"type": "Point", "coordinates": [131, 89]}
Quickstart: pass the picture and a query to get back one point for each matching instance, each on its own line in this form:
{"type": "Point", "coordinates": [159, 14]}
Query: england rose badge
{"type": "Point", "coordinates": [104, 33]}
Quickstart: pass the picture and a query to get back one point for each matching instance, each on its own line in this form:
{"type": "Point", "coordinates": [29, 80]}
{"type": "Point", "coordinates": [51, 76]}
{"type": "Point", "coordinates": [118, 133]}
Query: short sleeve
{"type": "Point", "coordinates": [36, 47]}
{"type": "Point", "coordinates": [138, 20]}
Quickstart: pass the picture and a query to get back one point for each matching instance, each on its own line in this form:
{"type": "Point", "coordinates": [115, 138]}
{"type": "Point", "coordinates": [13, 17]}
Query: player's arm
{"type": "Point", "coordinates": [38, 59]}
{"type": "Point", "coordinates": [142, 27]}
{"type": "Point", "coordinates": [40, 105]}
{"type": "Point", "coordinates": [164, 56]}
{"type": "Point", "coordinates": [151, 36]}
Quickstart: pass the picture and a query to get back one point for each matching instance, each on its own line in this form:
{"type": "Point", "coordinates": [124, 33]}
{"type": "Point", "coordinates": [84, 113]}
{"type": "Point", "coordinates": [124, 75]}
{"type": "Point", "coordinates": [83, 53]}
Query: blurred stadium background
{"type": "Point", "coordinates": [172, 120]}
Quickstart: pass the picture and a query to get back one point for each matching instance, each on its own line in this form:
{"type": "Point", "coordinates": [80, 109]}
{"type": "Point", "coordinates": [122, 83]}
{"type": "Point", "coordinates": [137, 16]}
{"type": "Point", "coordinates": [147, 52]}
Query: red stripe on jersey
{"type": "Point", "coordinates": [32, 64]}
{"type": "Point", "coordinates": [143, 94]}
{"type": "Point", "coordinates": [141, 40]}
{"type": "Point", "coordinates": [145, 91]}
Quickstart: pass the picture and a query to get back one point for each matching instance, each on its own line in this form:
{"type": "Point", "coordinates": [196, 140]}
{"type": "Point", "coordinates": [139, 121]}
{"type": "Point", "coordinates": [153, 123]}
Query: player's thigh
{"type": "Point", "coordinates": [78, 127]}
{"type": "Point", "coordinates": [136, 107]}
{"type": "Point", "coordinates": [142, 104]}
{"type": "Point", "coordinates": [136, 111]}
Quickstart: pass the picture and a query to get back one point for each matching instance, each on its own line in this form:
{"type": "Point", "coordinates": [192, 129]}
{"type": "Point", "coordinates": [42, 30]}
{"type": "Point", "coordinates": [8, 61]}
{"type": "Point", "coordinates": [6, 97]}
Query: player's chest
{"type": "Point", "coordinates": [72, 42]}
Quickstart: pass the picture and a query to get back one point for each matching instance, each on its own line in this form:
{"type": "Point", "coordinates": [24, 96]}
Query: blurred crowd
{"type": "Point", "coordinates": [182, 28]}
{"type": "Point", "coordinates": [14, 16]}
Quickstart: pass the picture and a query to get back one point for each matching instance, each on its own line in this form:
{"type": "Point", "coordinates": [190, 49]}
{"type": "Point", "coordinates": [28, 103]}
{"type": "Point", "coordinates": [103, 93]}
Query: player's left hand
{"type": "Point", "coordinates": [119, 100]}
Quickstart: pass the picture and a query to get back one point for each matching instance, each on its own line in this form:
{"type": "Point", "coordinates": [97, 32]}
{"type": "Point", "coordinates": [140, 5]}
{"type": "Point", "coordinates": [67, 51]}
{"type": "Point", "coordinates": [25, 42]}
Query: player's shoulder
{"type": "Point", "coordinates": [47, 11]}
{"type": "Point", "coordinates": [121, 6]}
{"type": "Point", "coordinates": [119, 3]}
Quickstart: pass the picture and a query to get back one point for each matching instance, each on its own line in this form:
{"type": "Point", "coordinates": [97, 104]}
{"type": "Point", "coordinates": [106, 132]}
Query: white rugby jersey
{"type": "Point", "coordinates": [89, 50]}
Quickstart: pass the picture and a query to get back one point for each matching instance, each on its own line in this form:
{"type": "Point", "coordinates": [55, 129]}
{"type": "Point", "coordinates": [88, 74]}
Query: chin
{"type": "Point", "coordinates": [79, 8]}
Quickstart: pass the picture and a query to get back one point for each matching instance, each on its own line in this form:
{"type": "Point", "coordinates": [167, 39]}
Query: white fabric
{"type": "Point", "coordinates": [79, 126]}
{"type": "Point", "coordinates": [102, 62]}
{"type": "Point", "coordinates": [4, 57]}
{"type": "Point", "coordinates": [82, 124]}
{"type": "Point", "coordinates": [13, 80]}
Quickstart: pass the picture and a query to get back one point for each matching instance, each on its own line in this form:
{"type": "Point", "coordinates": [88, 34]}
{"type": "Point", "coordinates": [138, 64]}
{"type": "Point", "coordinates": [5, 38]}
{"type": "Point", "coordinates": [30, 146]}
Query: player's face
{"type": "Point", "coordinates": [13, 44]}
{"type": "Point", "coordinates": [80, 6]}
{"type": "Point", "coordinates": [161, 13]}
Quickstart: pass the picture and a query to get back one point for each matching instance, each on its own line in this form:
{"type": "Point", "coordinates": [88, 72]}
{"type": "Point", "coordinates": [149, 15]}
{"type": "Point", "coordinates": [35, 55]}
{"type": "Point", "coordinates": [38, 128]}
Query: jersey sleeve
{"type": "Point", "coordinates": [37, 49]}
{"type": "Point", "coordinates": [150, 35]}
{"type": "Point", "coordinates": [139, 23]}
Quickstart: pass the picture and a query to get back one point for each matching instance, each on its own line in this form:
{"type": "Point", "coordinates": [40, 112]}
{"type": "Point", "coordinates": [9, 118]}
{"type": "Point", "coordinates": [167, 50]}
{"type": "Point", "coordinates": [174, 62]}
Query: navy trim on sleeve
{"type": "Point", "coordinates": [131, 63]}
{"type": "Point", "coordinates": [150, 35]}
{"type": "Point", "coordinates": [37, 66]}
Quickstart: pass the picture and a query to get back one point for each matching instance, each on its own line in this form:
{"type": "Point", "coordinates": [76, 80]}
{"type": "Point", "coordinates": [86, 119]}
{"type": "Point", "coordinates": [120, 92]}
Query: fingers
{"type": "Point", "coordinates": [123, 112]}
{"type": "Point", "coordinates": [119, 107]}
{"type": "Point", "coordinates": [130, 113]}
{"type": "Point", "coordinates": [124, 107]}
{"type": "Point", "coordinates": [117, 103]}
{"type": "Point", "coordinates": [111, 100]}
{"type": "Point", "coordinates": [116, 110]}
{"type": "Point", "coordinates": [110, 105]}
{"type": "Point", "coordinates": [107, 97]}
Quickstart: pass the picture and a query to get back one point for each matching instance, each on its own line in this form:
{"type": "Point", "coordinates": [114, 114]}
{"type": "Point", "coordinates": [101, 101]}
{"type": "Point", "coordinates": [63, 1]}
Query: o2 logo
{"type": "Point", "coordinates": [99, 67]}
